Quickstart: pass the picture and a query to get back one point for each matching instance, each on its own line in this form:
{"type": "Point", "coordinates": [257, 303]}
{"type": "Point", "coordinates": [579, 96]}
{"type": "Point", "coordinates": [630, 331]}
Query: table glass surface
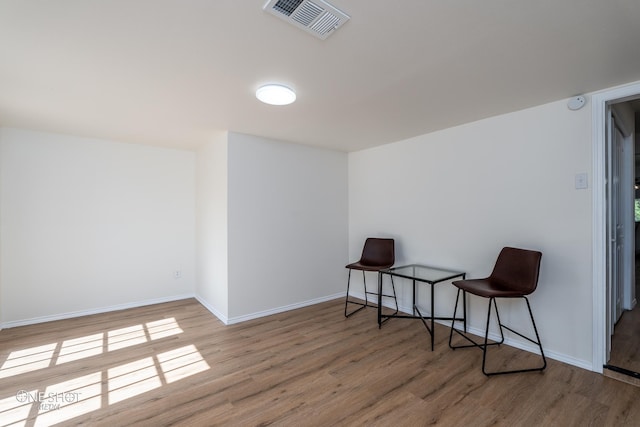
{"type": "Point", "coordinates": [422, 272]}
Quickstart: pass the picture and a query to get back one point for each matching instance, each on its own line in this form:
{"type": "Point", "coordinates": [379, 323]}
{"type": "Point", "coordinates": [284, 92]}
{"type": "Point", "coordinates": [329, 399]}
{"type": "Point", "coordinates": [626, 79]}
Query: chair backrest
{"type": "Point", "coordinates": [378, 252]}
{"type": "Point", "coordinates": [517, 269]}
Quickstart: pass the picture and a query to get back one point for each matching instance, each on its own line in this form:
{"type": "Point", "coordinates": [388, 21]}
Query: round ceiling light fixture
{"type": "Point", "coordinates": [275, 94]}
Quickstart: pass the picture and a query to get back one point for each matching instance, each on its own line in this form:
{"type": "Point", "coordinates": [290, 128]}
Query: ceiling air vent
{"type": "Point", "coordinates": [314, 16]}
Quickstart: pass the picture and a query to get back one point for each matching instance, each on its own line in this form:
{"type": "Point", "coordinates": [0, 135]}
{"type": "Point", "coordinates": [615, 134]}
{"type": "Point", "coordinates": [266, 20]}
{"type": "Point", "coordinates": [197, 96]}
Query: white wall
{"type": "Point", "coordinates": [1, 251]}
{"type": "Point", "coordinates": [89, 225]}
{"type": "Point", "coordinates": [287, 225]}
{"type": "Point", "coordinates": [212, 221]}
{"type": "Point", "coordinates": [454, 198]}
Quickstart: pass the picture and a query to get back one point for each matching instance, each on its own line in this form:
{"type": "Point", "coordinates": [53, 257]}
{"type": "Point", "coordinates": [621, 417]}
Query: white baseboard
{"type": "Point", "coordinates": [522, 345]}
{"type": "Point", "coordinates": [251, 316]}
{"type": "Point", "coordinates": [224, 319]}
{"type": "Point", "coordinates": [80, 313]}
{"type": "Point", "coordinates": [531, 348]}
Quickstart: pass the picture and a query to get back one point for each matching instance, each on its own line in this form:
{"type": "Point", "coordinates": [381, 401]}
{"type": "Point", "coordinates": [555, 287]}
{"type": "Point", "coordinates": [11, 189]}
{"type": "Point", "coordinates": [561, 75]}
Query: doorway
{"type": "Point", "coordinates": [622, 175]}
{"type": "Point", "coordinates": [613, 248]}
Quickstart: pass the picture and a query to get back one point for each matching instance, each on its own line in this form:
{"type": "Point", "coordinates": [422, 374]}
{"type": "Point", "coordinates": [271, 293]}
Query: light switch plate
{"type": "Point", "coordinates": [582, 181]}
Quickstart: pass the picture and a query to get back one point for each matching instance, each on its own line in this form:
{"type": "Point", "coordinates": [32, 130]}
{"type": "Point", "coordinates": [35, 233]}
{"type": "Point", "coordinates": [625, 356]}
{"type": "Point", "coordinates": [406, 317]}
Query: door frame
{"type": "Point", "coordinates": [600, 101]}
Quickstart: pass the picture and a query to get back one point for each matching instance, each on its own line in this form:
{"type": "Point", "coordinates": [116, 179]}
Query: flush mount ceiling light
{"type": "Point", "coordinates": [275, 94]}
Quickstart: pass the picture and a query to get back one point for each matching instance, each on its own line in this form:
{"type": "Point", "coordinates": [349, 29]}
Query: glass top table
{"type": "Point", "coordinates": [421, 274]}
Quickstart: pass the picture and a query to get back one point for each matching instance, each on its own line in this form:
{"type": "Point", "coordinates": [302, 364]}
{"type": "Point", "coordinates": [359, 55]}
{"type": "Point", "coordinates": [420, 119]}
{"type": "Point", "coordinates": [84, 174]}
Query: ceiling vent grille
{"type": "Point", "coordinates": [314, 16]}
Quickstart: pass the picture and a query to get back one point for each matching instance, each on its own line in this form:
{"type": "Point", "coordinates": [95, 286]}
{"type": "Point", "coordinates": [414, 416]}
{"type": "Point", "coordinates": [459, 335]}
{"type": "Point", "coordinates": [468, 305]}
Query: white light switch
{"type": "Point", "coordinates": [581, 181]}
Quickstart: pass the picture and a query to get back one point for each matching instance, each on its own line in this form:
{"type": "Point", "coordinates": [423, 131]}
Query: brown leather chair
{"type": "Point", "coordinates": [377, 254]}
{"type": "Point", "coordinates": [515, 275]}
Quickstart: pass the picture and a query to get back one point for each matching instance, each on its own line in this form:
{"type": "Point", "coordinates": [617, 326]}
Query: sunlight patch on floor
{"type": "Point", "coordinates": [126, 337]}
{"type": "Point", "coordinates": [14, 410]}
{"type": "Point", "coordinates": [27, 360]}
{"type": "Point", "coordinates": [181, 363]}
{"type": "Point", "coordinates": [40, 357]}
{"type": "Point", "coordinates": [163, 328]}
{"type": "Point", "coordinates": [132, 379]}
{"type": "Point", "coordinates": [63, 401]}
{"type": "Point", "coordinates": [69, 399]}
{"type": "Point", "coordinates": [79, 348]}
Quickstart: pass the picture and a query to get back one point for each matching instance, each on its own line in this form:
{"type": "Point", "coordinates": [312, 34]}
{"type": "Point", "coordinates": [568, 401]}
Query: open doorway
{"type": "Point", "coordinates": [624, 264]}
{"type": "Point", "coordinates": [602, 230]}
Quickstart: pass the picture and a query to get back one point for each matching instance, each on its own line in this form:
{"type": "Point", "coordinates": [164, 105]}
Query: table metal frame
{"type": "Point", "coordinates": [446, 276]}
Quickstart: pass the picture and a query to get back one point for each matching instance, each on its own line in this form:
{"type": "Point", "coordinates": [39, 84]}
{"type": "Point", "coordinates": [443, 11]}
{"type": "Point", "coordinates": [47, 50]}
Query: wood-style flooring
{"type": "Point", "coordinates": [176, 364]}
{"type": "Point", "coordinates": [625, 341]}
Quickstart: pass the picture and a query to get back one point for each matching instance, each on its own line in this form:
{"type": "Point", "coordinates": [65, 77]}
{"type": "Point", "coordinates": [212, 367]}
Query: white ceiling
{"type": "Point", "coordinates": [174, 72]}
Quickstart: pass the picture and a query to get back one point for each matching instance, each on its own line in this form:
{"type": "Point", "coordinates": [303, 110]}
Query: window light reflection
{"type": "Point", "coordinates": [132, 379]}
{"type": "Point", "coordinates": [126, 337]}
{"type": "Point", "coordinates": [14, 410]}
{"type": "Point", "coordinates": [40, 357]}
{"type": "Point", "coordinates": [181, 363]}
{"type": "Point", "coordinates": [79, 348]}
{"type": "Point", "coordinates": [27, 360]}
{"type": "Point", "coordinates": [163, 328]}
{"type": "Point", "coordinates": [69, 399]}
{"type": "Point", "coordinates": [75, 397]}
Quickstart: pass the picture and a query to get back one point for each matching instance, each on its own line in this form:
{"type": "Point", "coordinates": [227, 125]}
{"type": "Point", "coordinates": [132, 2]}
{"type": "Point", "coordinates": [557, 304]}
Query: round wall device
{"type": "Point", "coordinates": [576, 103]}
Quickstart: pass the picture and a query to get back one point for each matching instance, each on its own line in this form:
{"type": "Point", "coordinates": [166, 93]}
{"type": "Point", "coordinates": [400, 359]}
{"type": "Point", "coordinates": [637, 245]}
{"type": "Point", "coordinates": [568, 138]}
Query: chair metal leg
{"type": "Point", "coordinates": [366, 300]}
{"type": "Point", "coordinates": [486, 333]}
{"type": "Point", "coordinates": [347, 302]}
{"type": "Point", "coordinates": [485, 345]}
{"type": "Point", "coordinates": [463, 335]}
{"type": "Point", "coordinates": [364, 282]}
{"type": "Point", "coordinates": [536, 342]}
{"type": "Point", "coordinates": [453, 320]}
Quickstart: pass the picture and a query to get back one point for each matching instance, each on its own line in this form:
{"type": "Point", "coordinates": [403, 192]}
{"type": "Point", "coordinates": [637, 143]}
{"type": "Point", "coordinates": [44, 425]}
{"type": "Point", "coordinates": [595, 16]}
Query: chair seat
{"type": "Point", "coordinates": [367, 267]}
{"type": "Point", "coordinates": [488, 288]}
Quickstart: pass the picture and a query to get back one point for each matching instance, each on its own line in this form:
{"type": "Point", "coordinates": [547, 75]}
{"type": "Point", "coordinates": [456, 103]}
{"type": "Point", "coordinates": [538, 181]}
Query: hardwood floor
{"type": "Point", "coordinates": [625, 342]}
{"type": "Point", "coordinates": [176, 364]}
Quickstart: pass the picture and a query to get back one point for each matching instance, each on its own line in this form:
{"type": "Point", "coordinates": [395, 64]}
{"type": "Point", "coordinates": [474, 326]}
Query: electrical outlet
{"type": "Point", "coordinates": [177, 274]}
